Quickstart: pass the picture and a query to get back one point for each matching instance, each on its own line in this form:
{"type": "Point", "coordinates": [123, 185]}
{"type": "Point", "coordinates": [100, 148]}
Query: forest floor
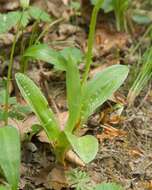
{"type": "Point", "coordinates": [124, 132]}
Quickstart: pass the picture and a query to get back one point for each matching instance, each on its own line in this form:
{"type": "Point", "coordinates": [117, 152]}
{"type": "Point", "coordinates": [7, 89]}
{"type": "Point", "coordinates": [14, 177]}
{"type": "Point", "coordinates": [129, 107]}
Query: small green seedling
{"type": "Point", "coordinates": [83, 97]}
{"type": "Point", "coordinates": [11, 19]}
{"type": "Point", "coordinates": [80, 180]}
{"type": "Point", "coordinates": [10, 157]}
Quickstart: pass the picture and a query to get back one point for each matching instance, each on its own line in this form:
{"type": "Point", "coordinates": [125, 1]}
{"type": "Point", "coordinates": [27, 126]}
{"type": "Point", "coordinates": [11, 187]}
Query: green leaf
{"type": "Point", "coordinates": [12, 100]}
{"type": "Point", "coordinates": [73, 86]}
{"type": "Point", "coordinates": [25, 17]}
{"type": "Point", "coordinates": [39, 14]}
{"type": "Point", "coordinates": [78, 179]}
{"type": "Point", "coordinates": [141, 18]}
{"type": "Point", "coordinates": [72, 52]}
{"type": "Point", "coordinates": [44, 53]}
{"type": "Point", "coordinates": [86, 147]}
{"type": "Point", "coordinates": [24, 3]}
{"type": "Point", "coordinates": [106, 6]}
{"type": "Point", "coordinates": [101, 87]}
{"type": "Point", "coordinates": [10, 155]}
{"type": "Point", "coordinates": [108, 186]}
{"type": "Point", "coordinates": [39, 105]}
{"type": "Point", "coordinates": [7, 21]}
{"type": "Point", "coordinates": [2, 187]}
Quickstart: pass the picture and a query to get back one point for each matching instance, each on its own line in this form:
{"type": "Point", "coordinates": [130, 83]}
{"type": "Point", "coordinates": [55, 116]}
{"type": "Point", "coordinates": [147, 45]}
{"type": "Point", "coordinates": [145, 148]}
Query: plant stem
{"type": "Point", "coordinates": [9, 72]}
{"type": "Point", "coordinates": [34, 29]}
{"type": "Point", "coordinates": [91, 39]}
{"type": "Point", "coordinates": [23, 65]}
{"type": "Point", "coordinates": [46, 29]}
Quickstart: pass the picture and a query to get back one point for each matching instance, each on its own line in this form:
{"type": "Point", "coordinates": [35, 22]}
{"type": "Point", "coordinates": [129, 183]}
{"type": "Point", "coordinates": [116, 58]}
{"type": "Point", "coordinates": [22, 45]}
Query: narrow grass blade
{"type": "Point", "coordinates": [10, 155]}
{"type": "Point", "coordinates": [101, 87]}
{"type": "Point", "coordinates": [143, 77]}
{"type": "Point", "coordinates": [39, 105]}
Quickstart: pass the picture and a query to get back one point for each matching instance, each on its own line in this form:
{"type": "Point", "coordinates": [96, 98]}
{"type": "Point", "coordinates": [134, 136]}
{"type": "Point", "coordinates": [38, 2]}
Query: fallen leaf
{"type": "Point", "coordinates": [107, 39]}
{"type": "Point", "coordinates": [73, 158]}
{"type": "Point", "coordinates": [6, 39]}
{"type": "Point", "coordinates": [112, 116]}
{"type": "Point", "coordinates": [110, 133]}
{"type": "Point", "coordinates": [65, 2]}
{"type": "Point", "coordinates": [56, 178]}
{"type": "Point", "coordinates": [135, 152]}
{"type": "Point", "coordinates": [119, 98]}
{"type": "Point", "coordinates": [42, 136]}
{"type": "Point", "coordinates": [24, 126]}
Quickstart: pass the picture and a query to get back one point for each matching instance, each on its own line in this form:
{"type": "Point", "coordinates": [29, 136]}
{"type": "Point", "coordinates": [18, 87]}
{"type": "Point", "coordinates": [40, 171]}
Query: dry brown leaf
{"type": "Point", "coordinates": [56, 178]}
{"type": "Point", "coordinates": [110, 116]}
{"type": "Point", "coordinates": [7, 38]}
{"type": "Point", "coordinates": [110, 133]}
{"type": "Point", "coordinates": [63, 116]}
{"type": "Point", "coordinates": [73, 158]}
{"type": "Point", "coordinates": [135, 152]}
{"type": "Point", "coordinates": [65, 2]}
{"type": "Point", "coordinates": [8, 5]}
{"type": "Point", "coordinates": [118, 98]}
{"type": "Point", "coordinates": [42, 136]}
{"type": "Point", "coordinates": [149, 185]}
{"type": "Point", "coordinates": [106, 40]}
{"type": "Point", "coordinates": [24, 126]}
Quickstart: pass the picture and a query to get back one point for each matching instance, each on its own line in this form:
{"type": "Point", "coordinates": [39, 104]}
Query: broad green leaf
{"type": "Point", "coordinates": [141, 18]}
{"type": "Point", "coordinates": [7, 21]}
{"type": "Point", "coordinates": [73, 52]}
{"type": "Point", "coordinates": [10, 155]}
{"type": "Point", "coordinates": [44, 53]}
{"type": "Point", "coordinates": [86, 147]}
{"type": "Point", "coordinates": [39, 14]}
{"type": "Point", "coordinates": [39, 105]}
{"type": "Point", "coordinates": [108, 186]}
{"type": "Point", "coordinates": [106, 6]}
{"type": "Point", "coordinates": [101, 87]}
{"type": "Point", "coordinates": [73, 86]}
{"type": "Point", "coordinates": [25, 18]}
{"type": "Point", "coordinates": [2, 187]}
